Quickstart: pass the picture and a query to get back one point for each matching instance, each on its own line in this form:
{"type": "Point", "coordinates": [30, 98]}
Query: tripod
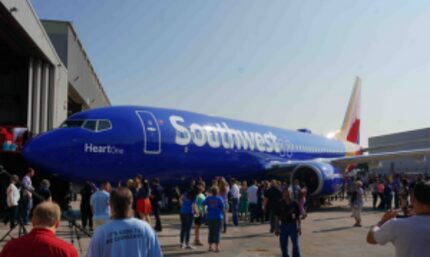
{"type": "Point", "coordinates": [75, 233]}
{"type": "Point", "coordinates": [21, 230]}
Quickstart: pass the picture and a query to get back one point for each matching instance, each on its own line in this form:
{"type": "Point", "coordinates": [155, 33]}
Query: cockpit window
{"type": "Point", "coordinates": [103, 125]}
{"type": "Point", "coordinates": [90, 125]}
{"type": "Point", "coordinates": [72, 124]}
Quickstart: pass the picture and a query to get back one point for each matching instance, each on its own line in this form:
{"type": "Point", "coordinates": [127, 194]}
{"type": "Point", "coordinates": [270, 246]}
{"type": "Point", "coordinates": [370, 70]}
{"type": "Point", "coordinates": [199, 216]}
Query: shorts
{"type": "Point", "coordinates": [143, 206]}
{"type": "Point", "coordinates": [356, 212]}
{"type": "Point", "coordinates": [198, 220]}
{"type": "Point", "coordinates": [243, 206]}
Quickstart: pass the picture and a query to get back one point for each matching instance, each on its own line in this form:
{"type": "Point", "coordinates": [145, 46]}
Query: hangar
{"type": "Point", "coordinates": [45, 74]}
{"type": "Point", "coordinates": [402, 141]}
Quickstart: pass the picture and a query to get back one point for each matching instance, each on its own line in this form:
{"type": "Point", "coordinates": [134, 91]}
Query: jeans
{"type": "Point", "coordinates": [225, 221]}
{"type": "Point", "coordinates": [235, 209]}
{"type": "Point", "coordinates": [388, 202]}
{"type": "Point", "coordinates": [289, 230]}
{"type": "Point", "coordinates": [186, 224]}
{"type": "Point", "coordinates": [27, 205]}
{"type": "Point", "coordinates": [214, 231]}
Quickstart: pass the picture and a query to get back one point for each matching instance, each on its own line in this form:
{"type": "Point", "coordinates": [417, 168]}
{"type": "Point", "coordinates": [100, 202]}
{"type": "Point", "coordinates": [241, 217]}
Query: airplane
{"type": "Point", "coordinates": [117, 143]}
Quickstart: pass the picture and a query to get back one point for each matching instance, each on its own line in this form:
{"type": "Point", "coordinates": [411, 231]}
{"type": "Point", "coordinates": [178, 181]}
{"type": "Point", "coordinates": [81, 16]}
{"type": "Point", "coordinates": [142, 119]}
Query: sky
{"type": "Point", "coordinates": [284, 63]}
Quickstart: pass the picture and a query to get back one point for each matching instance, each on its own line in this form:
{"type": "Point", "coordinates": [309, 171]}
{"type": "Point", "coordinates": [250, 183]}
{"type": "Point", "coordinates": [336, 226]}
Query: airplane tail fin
{"type": "Point", "coordinates": [350, 130]}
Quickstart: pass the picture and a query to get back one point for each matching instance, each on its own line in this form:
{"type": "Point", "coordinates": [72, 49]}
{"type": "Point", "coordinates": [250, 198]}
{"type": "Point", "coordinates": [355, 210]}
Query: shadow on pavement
{"type": "Point", "coordinates": [184, 253]}
{"type": "Point", "coordinates": [247, 236]}
{"type": "Point", "coordinates": [333, 229]}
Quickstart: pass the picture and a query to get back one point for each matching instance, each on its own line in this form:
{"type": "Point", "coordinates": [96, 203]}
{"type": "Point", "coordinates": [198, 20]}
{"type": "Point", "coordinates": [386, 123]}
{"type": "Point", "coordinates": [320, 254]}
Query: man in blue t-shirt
{"type": "Point", "coordinates": [124, 236]}
{"type": "Point", "coordinates": [100, 205]}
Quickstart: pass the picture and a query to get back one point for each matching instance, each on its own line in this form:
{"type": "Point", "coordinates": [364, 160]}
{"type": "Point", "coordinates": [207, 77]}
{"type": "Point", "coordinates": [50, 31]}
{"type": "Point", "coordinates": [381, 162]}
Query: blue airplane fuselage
{"type": "Point", "coordinates": [170, 144]}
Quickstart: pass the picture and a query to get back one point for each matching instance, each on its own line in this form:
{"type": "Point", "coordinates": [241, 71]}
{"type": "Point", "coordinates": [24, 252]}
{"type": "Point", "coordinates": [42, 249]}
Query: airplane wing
{"type": "Point", "coordinates": [420, 155]}
{"type": "Point", "coordinates": [374, 159]}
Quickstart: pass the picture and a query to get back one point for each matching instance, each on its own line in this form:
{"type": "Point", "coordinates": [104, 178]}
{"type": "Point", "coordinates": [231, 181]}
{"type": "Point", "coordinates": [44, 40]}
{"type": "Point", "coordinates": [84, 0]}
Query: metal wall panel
{"type": "Point", "coordinates": [44, 91]}
{"type": "Point", "coordinates": [402, 141]}
{"type": "Point", "coordinates": [81, 75]}
{"type": "Point", "coordinates": [37, 77]}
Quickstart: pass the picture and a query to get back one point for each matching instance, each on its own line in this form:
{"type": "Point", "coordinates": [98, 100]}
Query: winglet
{"type": "Point", "coordinates": [350, 130]}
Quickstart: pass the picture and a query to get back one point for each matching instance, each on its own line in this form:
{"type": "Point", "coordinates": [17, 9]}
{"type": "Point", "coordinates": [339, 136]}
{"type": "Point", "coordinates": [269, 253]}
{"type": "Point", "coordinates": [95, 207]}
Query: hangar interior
{"type": "Point", "coordinates": [15, 52]}
{"type": "Point", "coordinates": [45, 74]}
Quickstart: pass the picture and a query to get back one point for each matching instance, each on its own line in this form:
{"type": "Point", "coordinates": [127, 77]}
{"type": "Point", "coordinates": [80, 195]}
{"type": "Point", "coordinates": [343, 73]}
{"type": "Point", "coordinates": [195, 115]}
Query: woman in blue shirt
{"type": "Point", "coordinates": [215, 215]}
{"type": "Point", "coordinates": [188, 210]}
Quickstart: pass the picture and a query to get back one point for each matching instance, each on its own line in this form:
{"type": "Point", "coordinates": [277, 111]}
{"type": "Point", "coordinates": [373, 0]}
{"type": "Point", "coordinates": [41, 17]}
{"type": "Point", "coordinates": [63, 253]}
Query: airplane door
{"type": "Point", "coordinates": [151, 132]}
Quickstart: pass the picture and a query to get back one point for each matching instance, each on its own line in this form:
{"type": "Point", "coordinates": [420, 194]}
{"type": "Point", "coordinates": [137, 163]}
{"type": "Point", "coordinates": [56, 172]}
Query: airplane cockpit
{"type": "Point", "coordinates": [94, 125]}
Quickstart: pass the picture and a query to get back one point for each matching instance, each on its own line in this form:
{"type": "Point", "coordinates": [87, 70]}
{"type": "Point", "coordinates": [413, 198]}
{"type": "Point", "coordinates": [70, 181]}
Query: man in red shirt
{"type": "Point", "coordinates": [41, 241]}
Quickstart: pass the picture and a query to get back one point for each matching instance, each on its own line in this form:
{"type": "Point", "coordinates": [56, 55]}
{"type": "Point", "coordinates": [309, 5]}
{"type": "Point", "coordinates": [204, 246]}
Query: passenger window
{"type": "Point", "coordinates": [90, 125]}
{"type": "Point", "coordinates": [104, 125]}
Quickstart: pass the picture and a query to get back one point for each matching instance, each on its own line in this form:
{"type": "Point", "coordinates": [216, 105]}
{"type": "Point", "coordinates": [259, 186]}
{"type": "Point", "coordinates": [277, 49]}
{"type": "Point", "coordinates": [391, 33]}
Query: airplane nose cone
{"type": "Point", "coordinates": [44, 152]}
{"type": "Point", "coordinates": [35, 153]}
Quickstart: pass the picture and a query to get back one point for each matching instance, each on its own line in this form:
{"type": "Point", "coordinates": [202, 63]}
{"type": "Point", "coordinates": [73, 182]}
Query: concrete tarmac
{"type": "Point", "coordinates": [327, 232]}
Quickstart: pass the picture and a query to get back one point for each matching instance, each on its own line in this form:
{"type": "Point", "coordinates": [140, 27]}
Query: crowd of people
{"type": "Point", "coordinates": [409, 233]}
{"type": "Point", "coordinates": [200, 205]}
{"type": "Point", "coordinates": [276, 202]}
{"type": "Point", "coordinates": [109, 212]}
{"type": "Point", "coordinates": [20, 203]}
{"type": "Point", "coordinates": [388, 192]}
{"type": "Point", "coordinates": [121, 217]}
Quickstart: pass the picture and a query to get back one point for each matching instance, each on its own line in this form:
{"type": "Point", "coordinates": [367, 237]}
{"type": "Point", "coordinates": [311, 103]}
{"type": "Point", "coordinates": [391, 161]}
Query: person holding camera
{"type": "Point", "coordinates": [409, 235]}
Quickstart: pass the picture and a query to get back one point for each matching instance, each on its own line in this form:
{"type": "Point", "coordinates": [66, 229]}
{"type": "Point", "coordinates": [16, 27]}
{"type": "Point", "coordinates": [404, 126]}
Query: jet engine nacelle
{"type": "Point", "coordinates": [321, 179]}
